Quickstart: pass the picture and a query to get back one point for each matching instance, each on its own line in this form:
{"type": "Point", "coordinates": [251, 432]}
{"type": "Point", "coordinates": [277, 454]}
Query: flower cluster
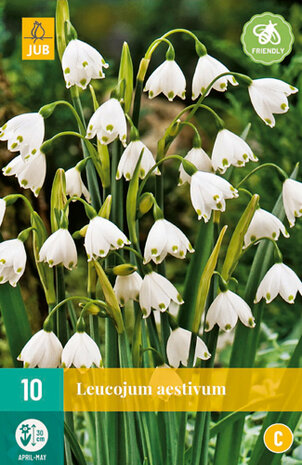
{"type": "Point", "coordinates": [44, 350]}
{"type": "Point", "coordinates": [145, 281]}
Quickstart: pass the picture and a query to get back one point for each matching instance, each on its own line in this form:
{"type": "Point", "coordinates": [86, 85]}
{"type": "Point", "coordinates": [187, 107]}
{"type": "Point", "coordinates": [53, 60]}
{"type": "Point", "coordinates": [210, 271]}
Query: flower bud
{"type": "Point", "coordinates": [58, 198]}
{"type": "Point", "coordinates": [200, 48]}
{"type": "Point", "coordinates": [106, 208]}
{"type": "Point", "coordinates": [146, 203]}
{"type": "Point", "coordinates": [126, 75]}
{"type": "Point", "coordinates": [124, 270]}
{"type": "Point", "coordinates": [188, 167]}
{"type": "Point", "coordinates": [47, 110]}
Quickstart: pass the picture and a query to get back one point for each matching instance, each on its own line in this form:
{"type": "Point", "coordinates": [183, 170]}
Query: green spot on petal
{"type": "Point", "coordinates": [24, 182]}
{"type": "Point", "coordinates": [105, 139]}
{"type": "Point", "coordinates": [219, 205]}
{"type": "Point", "coordinates": [101, 252]}
{"type": "Point", "coordinates": [222, 85]}
{"type": "Point", "coordinates": [128, 176]}
{"type": "Point", "coordinates": [268, 296]}
{"type": "Point", "coordinates": [122, 300]}
{"type": "Point", "coordinates": [14, 145]}
{"type": "Point", "coordinates": [179, 298]}
{"type": "Point", "coordinates": [170, 95]}
{"type": "Point", "coordinates": [67, 70]}
{"type": "Point", "coordinates": [162, 306]}
{"type": "Point", "coordinates": [268, 121]}
{"type": "Point", "coordinates": [70, 265]}
{"type": "Point", "coordinates": [19, 270]}
{"type": "Point", "coordinates": [34, 151]}
{"type": "Point", "coordinates": [151, 93]}
{"type": "Point", "coordinates": [291, 297]}
{"type": "Point", "coordinates": [20, 138]}
{"type": "Point", "coordinates": [109, 127]}
{"type": "Point", "coordinates": [154, 251]}
{"type": "Point", "coordinates": [174, 248]}
{"type": "Point", "coordinates": [283, 106]}
{"type": "Point", "coordinates": [251, 322]}
{"type": "Point", "coordinates": [228, 327]}
{"type": "Point", "coordinates": [85, 63]}
{"type": "Point", "coordinates": [225, 162]}
{"type": "Point", "coordinates": [207, 325]}
{"type": "Point", "coordinates": [120, 242]}
{"type": "Point", "coordinates": [274, 235]}
{"type": "Point", "coordinates": [253, 238]}
{"type": "Point", "coordinates": [245, 156]}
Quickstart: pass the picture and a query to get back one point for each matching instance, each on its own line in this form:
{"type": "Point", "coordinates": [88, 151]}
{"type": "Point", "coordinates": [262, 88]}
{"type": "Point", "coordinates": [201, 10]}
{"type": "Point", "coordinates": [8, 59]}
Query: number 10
{"type": "Point", "coordinates": [34, 391]}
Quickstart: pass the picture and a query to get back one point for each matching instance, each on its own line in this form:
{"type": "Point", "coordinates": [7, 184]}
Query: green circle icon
{"type": "Point", "coordinates": [267, 38]}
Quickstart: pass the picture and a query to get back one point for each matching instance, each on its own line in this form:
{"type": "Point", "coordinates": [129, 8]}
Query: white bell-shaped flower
{"type": "Point", "coordinates": [178, 348]}
{"type": "Point", "coordinates": [207, 69]}
{"type": "Point", "coordinates": [81, 351]}
{"type": "Point", "coordinates": [169, 79]}
{"type": "Point", "coordinates": [269, 96]}
{"type": "Point", "coordinates": [101, 236]}
{"type": "Point", "coordinates": [280, 279]}
{"type": "Point", "coordinates": [127, 287]}
{"type": "Point", "coordinates": [59, 249]}
{"type": "Point", "coordinates": [130, 157]}
{"type": "Point", "coordinates": [108, 122]}
{"type": "Point", "coordinates": [198, 157]}
{"type": "Point", "coordinates": [75, 185]}
{"type": "Point", "coordinates": [229, 149]}
{"type": "Point", "coordinates": [42, 350]}
{"type": "Point", "coordinates": [225, 311]}
{"type": "Point", "coordinates": [12, 261]}
{"type": "Point", "coordinates": [24, 133]}
{"type": "Point", "coordinates": [81, 63]}
{"type": "Point", "coordinates": [2, 210]}
{"type": "Point", "coordinates": [264, 224]}
{"type": "Point", "coordinates": [30, 174]}
{"type": "Point", "coordinates": [157, 292]}
{"type": "Point", "coordinates": [165, 238]}
{"type": "Point", "coordinates": [292, 200]}
{"type": "Point", "coordinates": [208, 192]}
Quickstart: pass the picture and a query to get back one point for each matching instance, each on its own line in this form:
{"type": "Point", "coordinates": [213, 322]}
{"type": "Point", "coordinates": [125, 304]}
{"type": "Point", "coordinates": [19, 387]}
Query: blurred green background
{"type": "Point", "coordinates": [26, 86]}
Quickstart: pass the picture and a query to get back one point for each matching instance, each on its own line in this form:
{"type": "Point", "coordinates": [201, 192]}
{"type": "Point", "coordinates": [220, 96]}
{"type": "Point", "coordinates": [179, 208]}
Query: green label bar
{"type": "Point", "coordinates": [31, 390]}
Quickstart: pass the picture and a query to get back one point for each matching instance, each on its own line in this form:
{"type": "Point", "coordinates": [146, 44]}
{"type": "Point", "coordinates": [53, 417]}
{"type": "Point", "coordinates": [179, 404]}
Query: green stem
{"type": "Point", "coordinates": [265, 165]}
{"type": "Point", "coordinates": [61, 316]}
{"type": "Point", "coordinates": [92, 180]}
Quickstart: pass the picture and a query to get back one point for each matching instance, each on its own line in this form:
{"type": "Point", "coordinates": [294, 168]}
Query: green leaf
{"type": "Point", "coordinates": [203, 249]}
{"type": "Point", "coordinates": [74, 445]}
{"type": "Point", "coordinates": [15, 320]}
{"type": "Point", "coordinates": [205, 281]}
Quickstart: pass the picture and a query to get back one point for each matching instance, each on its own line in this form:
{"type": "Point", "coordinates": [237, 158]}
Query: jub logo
{"type": "Point", "coordinates": [37, 38]}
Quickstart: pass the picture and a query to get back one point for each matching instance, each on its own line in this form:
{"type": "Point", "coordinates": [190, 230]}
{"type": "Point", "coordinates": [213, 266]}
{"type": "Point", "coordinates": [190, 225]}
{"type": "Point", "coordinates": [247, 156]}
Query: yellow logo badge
{"type": "Point", "coordinates": [38, 38]}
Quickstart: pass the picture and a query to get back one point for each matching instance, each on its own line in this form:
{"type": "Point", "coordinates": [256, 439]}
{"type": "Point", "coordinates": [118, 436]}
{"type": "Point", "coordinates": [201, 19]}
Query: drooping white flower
{"type": "Point", "coordinates": [130, 158]}
{"type": "Point", "coordinates": [264, 224]}
{"type": "Point", "coordinates": [43, 350]}
{"type": "Point", "coordinates": [75, 185]}
{"type": "Point", "coordinates": [30, 174]}
{"type": "Point", "coordinates": [108, 122]}
{"type": "Point", "coordinates": [12, 261]}
{"type": "Point", "coordinates": [269, 96]}
{"type": "Point", "coordinates": [178, 348]}
{"type": "Point", "coordinates": [81, 351]}
{"type": "Point", "coordinates": [292, 200]}
{"type": "Point", "coordinates": [157, 292]}
{"type": "Point", "coordinates": [280, 279]}
{"type": "Point", "coordinates": [169, 79]}
{"type": "Point", "coordinates": [230, 149]}
{"type": "Point", "coordinates": [127, 287]}
{"type": "Point", "coordinates": [81, 63]}
{"type": "Point", "coordinates": [59, 249]}
{"type": "Point", "coordinates": [200, 160]}
{"type": "Point", "coordinates": [208, 192]}
{"type": "Point", "coordinates": [24, 133]}
{"type": "Point", "coordinates": [207, 69]}
{"type": "Point", "coordinates": [165, 238]}
{"type": "Point", "coordinates": [225, 310]}
{"type": "Point", "coordinates": [102, 235]}
{"type": "Point", "coordinates": [2, 210]}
